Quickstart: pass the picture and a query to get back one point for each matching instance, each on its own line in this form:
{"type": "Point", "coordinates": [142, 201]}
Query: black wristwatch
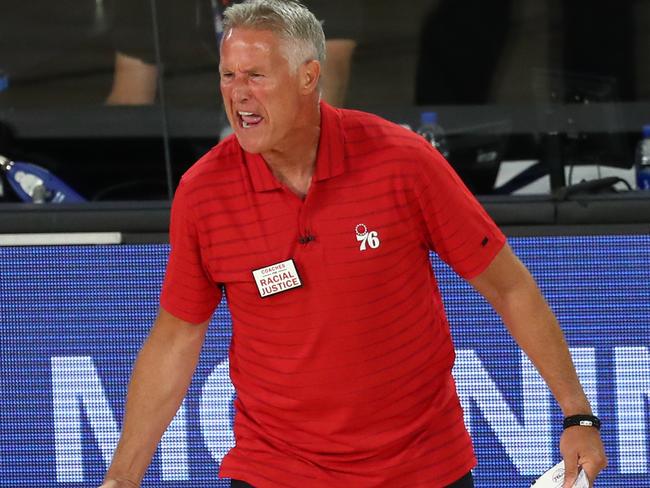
{"type": "Point", "coordinates": [582, 420]}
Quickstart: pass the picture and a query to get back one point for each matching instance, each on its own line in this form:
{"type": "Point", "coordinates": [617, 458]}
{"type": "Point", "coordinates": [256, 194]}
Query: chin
{"type": "Point", "coordinates": [248, 145]}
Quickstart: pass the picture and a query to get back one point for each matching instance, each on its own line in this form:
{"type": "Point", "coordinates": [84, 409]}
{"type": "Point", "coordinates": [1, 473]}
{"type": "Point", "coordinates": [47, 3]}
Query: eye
{"type": "Point", "coordinates": [226, 75]}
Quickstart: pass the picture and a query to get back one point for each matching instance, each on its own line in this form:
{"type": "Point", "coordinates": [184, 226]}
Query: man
{"type": "Point", "coordinates": [183, 44]}
{"type": "Point", "coordinates": [317, 223]}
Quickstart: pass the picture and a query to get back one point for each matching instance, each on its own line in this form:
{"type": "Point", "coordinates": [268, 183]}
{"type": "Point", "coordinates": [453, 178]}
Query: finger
{"type": "Point", "coordinates": [118, 483]}
{"type": "Point", "coordinates": [571, 471]}
{"type": "Point", "coordinates": [592, 468]}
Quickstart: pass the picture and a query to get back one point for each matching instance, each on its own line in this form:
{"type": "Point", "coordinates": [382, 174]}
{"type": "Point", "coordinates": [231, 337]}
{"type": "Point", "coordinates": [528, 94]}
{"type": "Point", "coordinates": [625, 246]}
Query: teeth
{"type": "Point", "coordinates": [245, 125]}
{"type": "Point", "coordinates": [244, 114]}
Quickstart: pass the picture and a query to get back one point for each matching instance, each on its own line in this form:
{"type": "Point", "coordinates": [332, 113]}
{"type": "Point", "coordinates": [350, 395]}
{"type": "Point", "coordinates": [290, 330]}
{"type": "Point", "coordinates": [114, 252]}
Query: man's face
{"type": "Point", "coordinates": [261, 94]}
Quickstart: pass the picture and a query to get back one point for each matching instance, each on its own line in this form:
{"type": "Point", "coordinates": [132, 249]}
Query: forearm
{"type": "Point", "coordinates": [134, 81]}
{"type": "Point", "coordinates": [336, 70]}
{"type": "Point", "coordinates": [160, 378]}
{"type": "Point", "coordinates": [534, 327]}
{"type": "Point", "coordinates": [513, 293]}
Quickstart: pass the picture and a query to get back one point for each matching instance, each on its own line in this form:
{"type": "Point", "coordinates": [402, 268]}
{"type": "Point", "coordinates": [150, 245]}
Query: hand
{"type": "Point", "coordinates": [113, 483]}
{"type": "Point", "coordinates": [581, 447]}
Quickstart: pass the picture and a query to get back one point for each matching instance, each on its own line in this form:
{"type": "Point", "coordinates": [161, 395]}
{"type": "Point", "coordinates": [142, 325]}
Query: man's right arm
{"type": "Point", "coordinates": [159, 382]}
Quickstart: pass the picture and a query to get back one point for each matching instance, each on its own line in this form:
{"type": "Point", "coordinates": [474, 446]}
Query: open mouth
{"type": "Point", "coordinates": [249, 120]}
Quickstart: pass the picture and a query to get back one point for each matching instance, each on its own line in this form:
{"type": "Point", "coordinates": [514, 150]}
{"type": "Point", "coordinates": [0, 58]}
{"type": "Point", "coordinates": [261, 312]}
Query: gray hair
{"type": "Point", "coordinates": [289, 19]}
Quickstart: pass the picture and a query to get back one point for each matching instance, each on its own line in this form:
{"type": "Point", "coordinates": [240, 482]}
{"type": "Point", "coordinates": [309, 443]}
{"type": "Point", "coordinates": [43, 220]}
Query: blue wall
{"type": "Point", "coordinates": [73, 318]}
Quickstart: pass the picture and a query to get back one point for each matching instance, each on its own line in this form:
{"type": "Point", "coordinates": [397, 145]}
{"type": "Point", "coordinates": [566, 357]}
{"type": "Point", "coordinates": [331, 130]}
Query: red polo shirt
{"type": "Point", "coordinates": [345, 381]}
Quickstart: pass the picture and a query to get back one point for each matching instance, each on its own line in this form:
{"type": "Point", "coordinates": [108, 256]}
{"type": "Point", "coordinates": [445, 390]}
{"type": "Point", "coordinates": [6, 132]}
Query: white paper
{"type": "Point", "coordinates": [554, 478]}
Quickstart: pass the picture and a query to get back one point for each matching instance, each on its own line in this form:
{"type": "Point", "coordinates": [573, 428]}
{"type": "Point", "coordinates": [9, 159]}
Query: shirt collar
{"type": "Point", "coordinates": [330, 158]}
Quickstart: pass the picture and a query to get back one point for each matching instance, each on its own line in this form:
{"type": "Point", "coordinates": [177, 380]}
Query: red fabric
{"type": "Point", "coordinates": [345, 381]}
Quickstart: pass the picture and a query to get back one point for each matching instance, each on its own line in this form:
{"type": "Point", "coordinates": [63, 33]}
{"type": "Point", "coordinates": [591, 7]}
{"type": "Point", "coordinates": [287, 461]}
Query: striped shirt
{"type": "Point", "coordinates": [346, 380]}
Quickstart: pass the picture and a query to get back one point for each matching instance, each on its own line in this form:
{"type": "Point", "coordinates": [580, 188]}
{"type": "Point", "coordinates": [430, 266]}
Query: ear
{"type": "Point", "coordinates": [309, 76]}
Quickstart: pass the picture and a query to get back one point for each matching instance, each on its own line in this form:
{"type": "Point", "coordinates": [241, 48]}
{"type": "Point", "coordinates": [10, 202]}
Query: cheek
{"type": "Point", "coordinates": [281, 114]}
{"type": "Point", "coordinates": [225, 91]}
{"type": "Point", "coordinates": [285, 103]}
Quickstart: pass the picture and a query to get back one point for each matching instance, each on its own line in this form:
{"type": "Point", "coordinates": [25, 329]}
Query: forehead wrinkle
{"type": "Point", "coordinates": [256, 54]}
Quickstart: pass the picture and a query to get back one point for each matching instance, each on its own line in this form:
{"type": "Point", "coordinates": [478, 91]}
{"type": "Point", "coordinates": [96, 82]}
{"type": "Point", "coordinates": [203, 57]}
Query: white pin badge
{"type": "Point", "coordinates": [277, 278]}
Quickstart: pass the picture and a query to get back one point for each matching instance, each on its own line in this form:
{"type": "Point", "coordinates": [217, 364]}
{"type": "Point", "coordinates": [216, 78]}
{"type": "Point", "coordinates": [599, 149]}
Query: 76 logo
{"type": "Point", "coordinates": [366, 238]}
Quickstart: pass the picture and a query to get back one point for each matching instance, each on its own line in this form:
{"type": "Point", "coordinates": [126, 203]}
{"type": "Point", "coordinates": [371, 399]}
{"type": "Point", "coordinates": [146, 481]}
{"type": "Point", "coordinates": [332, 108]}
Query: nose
{"type": "Point", "coordinates": [240, 90]}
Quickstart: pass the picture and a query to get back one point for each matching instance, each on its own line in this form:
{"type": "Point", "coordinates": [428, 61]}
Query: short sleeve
{"type": "Point", "coordinates": [457, 227]}
{"type": "Point", "coordinates": [188, 292]}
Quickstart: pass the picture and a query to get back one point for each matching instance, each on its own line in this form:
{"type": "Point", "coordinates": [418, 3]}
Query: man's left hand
{"type": "Point", "coordinates": [582, 448]}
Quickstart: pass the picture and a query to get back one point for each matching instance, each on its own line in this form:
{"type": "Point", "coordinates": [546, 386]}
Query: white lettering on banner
{"type": "Point", "coordinates": [76, 384]}
{"type": "Point", "coordinates": [522, 443]}
{"type": "Point", "coordinates": [584, 359]}
{"type": "Point", "coordinates": [527, 443]}
{"type": "Point", "coordinates": [525, 436]}
{"type": "Point", "coordinates": [174, 449]}
{"type": "Point", "coordinates": [215, 412]}
{"type": "Point", "coordinates": [632, 365]}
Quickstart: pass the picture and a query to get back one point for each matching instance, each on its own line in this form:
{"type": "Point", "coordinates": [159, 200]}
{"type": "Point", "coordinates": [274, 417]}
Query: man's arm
{"type": "Point", "coordinates": [513, 293]}
{"type": "Point", "coordinates": [336, 70]}
{"type": "Point", "coordinates": [160, 379]}
{"type": "Point", "coordinates": [134, 81]}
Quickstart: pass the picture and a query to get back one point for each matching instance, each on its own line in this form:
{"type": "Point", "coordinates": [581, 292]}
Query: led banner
{"type": "Point", "coordinates": [73, 318]}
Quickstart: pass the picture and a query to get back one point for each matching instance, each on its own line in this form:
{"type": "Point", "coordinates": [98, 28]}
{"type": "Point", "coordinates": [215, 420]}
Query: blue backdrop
{"type": "Point", "coordinates": [73, 318]}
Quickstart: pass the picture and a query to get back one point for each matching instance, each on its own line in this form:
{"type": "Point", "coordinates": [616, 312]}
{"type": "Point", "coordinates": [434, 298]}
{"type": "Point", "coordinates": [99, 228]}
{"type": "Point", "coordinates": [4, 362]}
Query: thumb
{"type": "Point", "coordinates": [571, 471]}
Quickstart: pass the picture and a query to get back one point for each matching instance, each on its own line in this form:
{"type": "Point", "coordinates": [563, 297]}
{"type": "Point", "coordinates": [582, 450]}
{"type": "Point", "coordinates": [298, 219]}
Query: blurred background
{"type": "Point", "coordinates": [117, 98]}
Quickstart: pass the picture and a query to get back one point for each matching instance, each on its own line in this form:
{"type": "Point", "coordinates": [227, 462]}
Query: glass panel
{"type": "Point", "coordinates": [553, 88]}
{"type": "Point", "coordinates": [189, 68]}
{"type": "Point", "coordinates": [118, 98]}
{"type": "Point", "coordinates": [58, 61]}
